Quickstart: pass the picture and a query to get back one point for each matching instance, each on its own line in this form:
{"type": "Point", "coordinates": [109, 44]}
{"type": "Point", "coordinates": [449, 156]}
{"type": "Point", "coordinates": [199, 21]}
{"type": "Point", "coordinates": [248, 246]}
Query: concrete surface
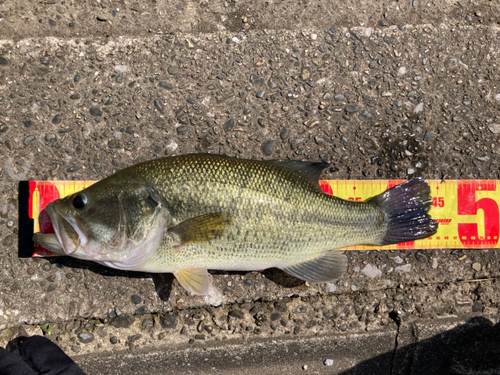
{"type": "Point", "coordinates": [450, 352]}
{"type": "Point", "coordinates": [384, 89]}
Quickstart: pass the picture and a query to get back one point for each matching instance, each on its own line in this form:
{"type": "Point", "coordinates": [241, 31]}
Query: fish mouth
{"type": "Point", "coordinates": [59, 233]}
{"type": "Point", "coordinates": [64, 232]}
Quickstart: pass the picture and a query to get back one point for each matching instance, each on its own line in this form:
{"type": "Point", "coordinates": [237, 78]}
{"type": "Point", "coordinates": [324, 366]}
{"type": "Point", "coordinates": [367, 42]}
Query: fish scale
{"type": "Point", "coordinates": [190, 213]}
{"type": "Point", "coordinates": [286, 216]}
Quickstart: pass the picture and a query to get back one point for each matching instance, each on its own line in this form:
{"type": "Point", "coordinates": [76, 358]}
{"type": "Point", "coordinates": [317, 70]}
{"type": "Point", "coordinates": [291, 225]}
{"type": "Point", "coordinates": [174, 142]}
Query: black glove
{"type": "Point", "coordinates": [46, 357]}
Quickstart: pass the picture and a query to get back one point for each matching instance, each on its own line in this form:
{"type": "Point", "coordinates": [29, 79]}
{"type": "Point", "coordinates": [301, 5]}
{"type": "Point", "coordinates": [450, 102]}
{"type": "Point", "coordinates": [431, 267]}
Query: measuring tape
{"type": "Point", "coordinates": [466, 210]}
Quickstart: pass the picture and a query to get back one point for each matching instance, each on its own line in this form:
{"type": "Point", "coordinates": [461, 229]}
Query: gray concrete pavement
{"type": "Point", "coordinates": [421, 348]}
{"type": "Point", "coordinates": [379, 89]}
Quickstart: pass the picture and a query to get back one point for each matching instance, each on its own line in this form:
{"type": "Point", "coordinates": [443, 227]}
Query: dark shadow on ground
{"type": "Point", "coordinates": [25, 234]}
{"type": "Point", "coordinates": [276, 275]}
{"type": "Point", "coordinates": [282, 278]}
{"type": "Point", "coordinates": [163, 281]}
{"type": "Point", "coordinates": [472, 348]}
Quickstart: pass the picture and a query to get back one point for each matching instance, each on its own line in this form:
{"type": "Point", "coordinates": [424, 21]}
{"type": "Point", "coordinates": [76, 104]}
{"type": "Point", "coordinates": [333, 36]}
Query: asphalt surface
{"type": "Point", "coordinates": [379, 89]}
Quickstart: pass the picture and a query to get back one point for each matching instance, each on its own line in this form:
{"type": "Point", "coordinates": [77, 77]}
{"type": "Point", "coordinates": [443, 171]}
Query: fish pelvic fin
{"type": "Point", "coordinates": [194, 280]}
{"type": "Point", "coordinates": [202, 228]}
{"type": "Point", "coordinates": [406, 209]}
{"type": "Point", "coordinates": [327, 267]}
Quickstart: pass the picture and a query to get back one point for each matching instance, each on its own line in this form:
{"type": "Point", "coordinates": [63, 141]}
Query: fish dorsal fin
{"type": "Point", "coordinates": [307, 169]}
{"type": "Point", "coordinates": [329, 266]}
{"type": "Point", "coordinates": [202, 228]}
{"type": "Point", "coordinates": [194, 280]}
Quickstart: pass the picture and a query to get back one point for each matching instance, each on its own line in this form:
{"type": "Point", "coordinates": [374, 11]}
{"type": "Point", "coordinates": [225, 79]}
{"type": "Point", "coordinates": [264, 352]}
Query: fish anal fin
{"type": "Point", "coordinates": [194, 280]}
{"type": "Point", "coordinates": [327, 267]}
{"type": "Point", "coordinates": [309, 170]}
{"type": "Point", "coordinates": [202, 228]}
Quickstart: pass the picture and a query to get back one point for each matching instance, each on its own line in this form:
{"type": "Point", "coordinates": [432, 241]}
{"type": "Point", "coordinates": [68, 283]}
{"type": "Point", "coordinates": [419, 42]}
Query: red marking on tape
{"type": "Point", "coordinates": [443, 221]}
{"type": "Point", "coordinates": [469, 205]}
{"type": "Point", "coordinates": [32, 185]}
{"type": "Point", "coordinates": [48, 193]}
{"type": "Point", "coordinates": [393, 183]}
{"type": "Point", "coordinates": [325, 186]}
{"type": "Point", "coordinates": [406, 245]}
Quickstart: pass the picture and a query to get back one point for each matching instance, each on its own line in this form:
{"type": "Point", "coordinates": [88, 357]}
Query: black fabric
{"type": "Point", "coordinates": [47, 359]}
{"type": "Point", "coordinates": [11, 364]}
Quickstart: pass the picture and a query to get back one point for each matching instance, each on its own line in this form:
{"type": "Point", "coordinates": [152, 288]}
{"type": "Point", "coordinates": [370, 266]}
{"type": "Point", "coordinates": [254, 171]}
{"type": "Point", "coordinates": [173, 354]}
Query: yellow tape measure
{"type": "Point", "coordinates": [44, 192]}
{"type": "Point", "coordinates": [467, 210]}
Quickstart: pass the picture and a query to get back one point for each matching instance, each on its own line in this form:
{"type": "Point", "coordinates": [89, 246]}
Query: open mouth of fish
{"type": "Point", "coordinates": [64, 234]}
{"type": "Point", "coordinates": [59, 235]}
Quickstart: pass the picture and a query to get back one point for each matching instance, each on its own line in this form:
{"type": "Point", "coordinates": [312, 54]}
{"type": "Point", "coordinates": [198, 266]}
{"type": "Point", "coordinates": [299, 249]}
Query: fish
{"type": "Point", "coordinates": [192, 213]}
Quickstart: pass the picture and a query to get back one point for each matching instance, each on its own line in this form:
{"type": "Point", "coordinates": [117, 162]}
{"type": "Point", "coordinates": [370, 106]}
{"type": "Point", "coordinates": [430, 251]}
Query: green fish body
{"type": "Point", "coordinates": [190, 213]}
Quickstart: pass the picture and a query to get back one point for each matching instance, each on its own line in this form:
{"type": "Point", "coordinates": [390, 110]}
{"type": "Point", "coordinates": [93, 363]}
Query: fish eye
{"type": "Point", "coordinates": [79, 201]}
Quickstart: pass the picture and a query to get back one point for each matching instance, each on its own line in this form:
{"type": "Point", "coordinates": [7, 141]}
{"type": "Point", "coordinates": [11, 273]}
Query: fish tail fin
{"type": "Point", "coordinates": [406, 209]}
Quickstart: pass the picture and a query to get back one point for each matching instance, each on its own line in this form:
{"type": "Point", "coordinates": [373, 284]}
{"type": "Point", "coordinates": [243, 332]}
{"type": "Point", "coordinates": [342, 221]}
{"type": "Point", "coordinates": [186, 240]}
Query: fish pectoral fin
{"type": "Point", "coordinates": [195, 280]}
{"type": "Point", "coordinates": [202, 228]}
{"type": "Point", "coordinates": [329, 266]}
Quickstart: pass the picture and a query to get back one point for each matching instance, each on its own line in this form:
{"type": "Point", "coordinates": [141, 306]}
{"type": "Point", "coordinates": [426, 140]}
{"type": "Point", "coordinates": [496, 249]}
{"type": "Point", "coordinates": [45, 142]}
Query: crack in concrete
{"type": "Point", "coordinates": [395, 317]}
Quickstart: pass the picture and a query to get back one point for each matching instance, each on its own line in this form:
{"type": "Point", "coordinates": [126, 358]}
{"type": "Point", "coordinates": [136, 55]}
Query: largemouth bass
{"type": "Point", "coordinates": [191, 213]}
